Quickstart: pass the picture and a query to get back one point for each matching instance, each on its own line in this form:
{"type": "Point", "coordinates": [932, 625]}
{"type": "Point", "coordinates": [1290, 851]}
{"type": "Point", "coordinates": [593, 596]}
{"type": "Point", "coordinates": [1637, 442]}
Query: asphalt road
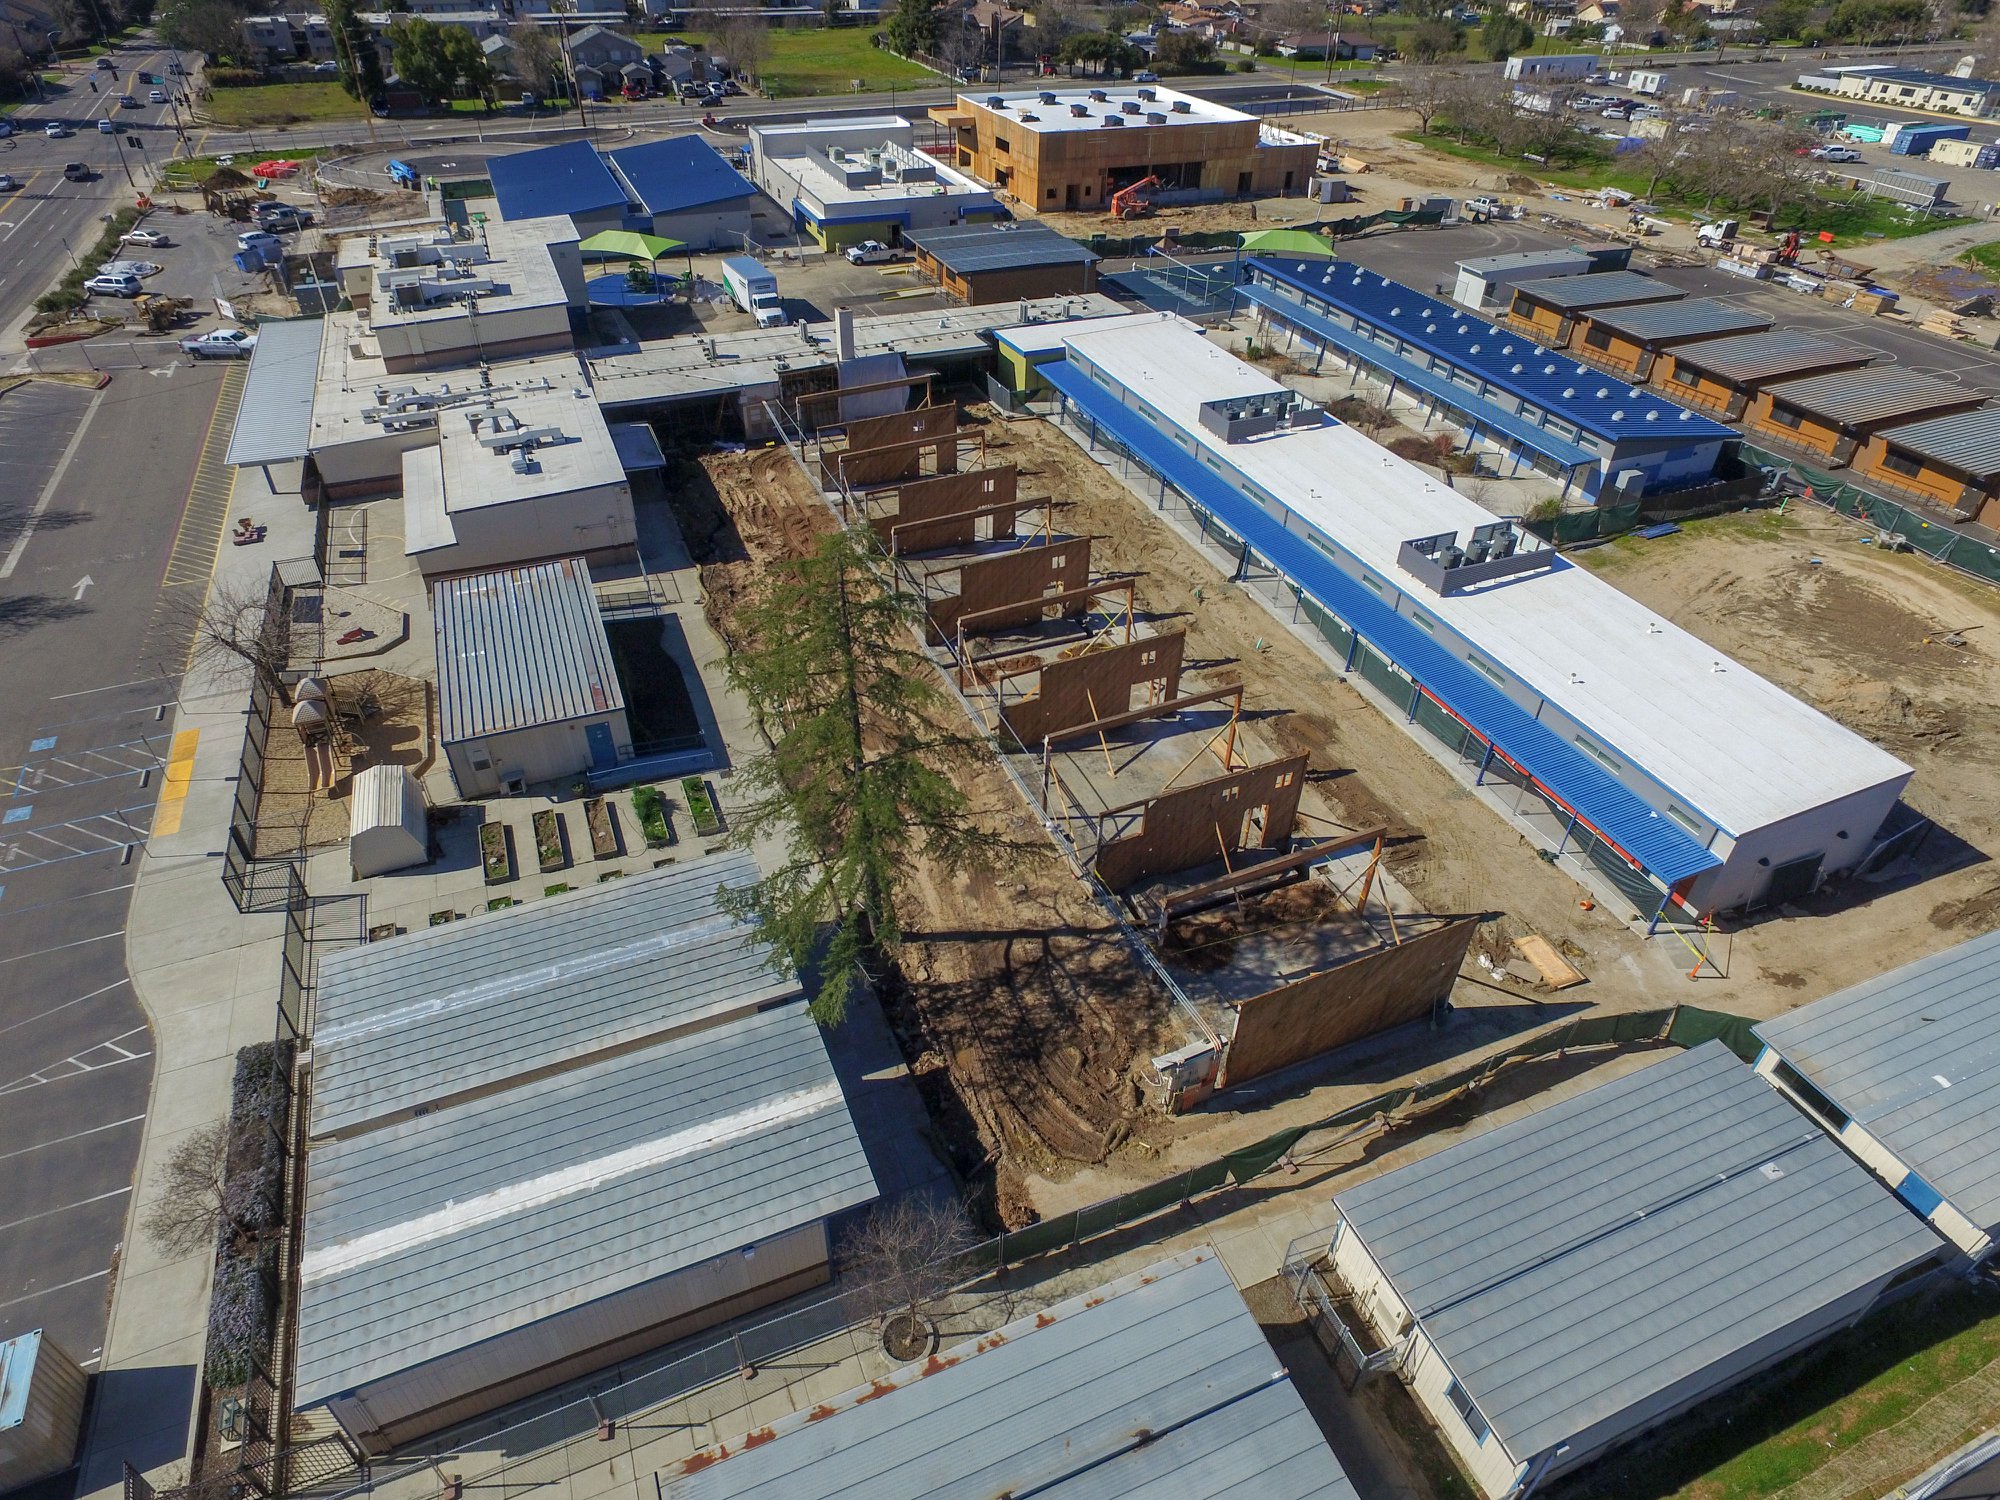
{"type": "Point", "coordinates": [86, 526]}
{"type": "Point", "coordinates": [48, 219]}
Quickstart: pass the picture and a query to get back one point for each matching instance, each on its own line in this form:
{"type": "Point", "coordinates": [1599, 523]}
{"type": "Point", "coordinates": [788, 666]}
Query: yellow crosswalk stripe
{"type": "Point", "coordinates": [174, 788]}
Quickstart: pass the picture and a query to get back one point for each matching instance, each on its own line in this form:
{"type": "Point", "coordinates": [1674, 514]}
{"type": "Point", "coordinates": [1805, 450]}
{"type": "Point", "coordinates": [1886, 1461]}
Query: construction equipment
{"type": "Point", "coordinates": [1132, 202]}
{"type": "Point", "coordinates": [160, 313]}
{"type": "Point", "coordinates": [1717, 234]}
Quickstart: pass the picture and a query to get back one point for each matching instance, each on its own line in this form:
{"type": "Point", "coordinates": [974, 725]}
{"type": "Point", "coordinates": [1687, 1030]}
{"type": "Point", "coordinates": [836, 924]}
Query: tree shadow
{"type": "Point", "coordinates": [25, 612]}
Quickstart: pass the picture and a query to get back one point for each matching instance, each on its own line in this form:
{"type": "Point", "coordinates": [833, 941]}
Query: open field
{"type": "Point", "coordinates": [816, 60]}
{"type": "Point", "coordinates": [279, 104]}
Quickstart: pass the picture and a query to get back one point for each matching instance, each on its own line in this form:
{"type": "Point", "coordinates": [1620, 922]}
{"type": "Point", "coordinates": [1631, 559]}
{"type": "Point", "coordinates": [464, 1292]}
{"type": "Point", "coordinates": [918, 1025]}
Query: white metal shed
{"type": "Point", "coordinates": [386, 829]}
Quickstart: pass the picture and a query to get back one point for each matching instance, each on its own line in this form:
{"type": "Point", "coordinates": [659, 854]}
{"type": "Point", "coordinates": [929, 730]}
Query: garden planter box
{"type": "Point", "coordinates": [496, 853]}
{"type": "Point", "coordinates": [702, 811]}
{"type": "Point", "coordinates": [550, 849]}
{"type": "Point", "coordinates": [656, 818]}
{"type": "Point", "coordinates": [603, 824]}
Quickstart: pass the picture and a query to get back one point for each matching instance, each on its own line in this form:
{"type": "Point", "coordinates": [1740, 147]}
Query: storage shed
{"type": "Point", "coordinates": [1546, 310]}
{"type": "Point", "coordinates": [975, 263]}
{"type": "Point", "coordinates": [553, 1138]}
{"type": "Point", "coordinates": [1952, 462]}
{"type": "Point", "coordinates": [1630, 339]}
{"type": "Point", "coordinates": [527, 689]}
{"type": "Point", "coordinates": [386, 827]}
{"type": "Point", "coordinates": [1905, 1069]}
{"type": "Point", "coordinates": [1157, 1386]}
{"type": "Point", "coordinates": [1722, 375]}
{"type": "Point", "coordinates": [1564, 1282]}
{"type": "Point", "coordinates": [1830, 416]}
{"type": "Point", "coordinates": [41, 1409]}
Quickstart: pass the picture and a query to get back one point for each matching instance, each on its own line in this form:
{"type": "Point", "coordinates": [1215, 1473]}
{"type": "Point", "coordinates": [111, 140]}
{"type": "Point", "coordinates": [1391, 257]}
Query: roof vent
{"type": "Point", "coordinates": [1652, 416]}
{"type": "Point", "coordinates": [1550, 370]}
{"type": "Point", "coordinates": [1506, 348]}
{"type": "Point", "coordinates": [994, 101]}
{"type": "Point", "coordinates": [1130, 107]}
{"type": "Point", "coordinates": [1182, 107]}
{"type": "Point", "coordinates": [1514, 370]}
{"type": "Point", "coordinates": [1474, 349]}
{"type": "Point", "coordinates": [1569, 393]}
{"type": "Point", "coordinates": [1603, 392]}
{"type": "Point", "coordinates": [1685, 414]}
{"type": "Point", "coordinates": [1114, 119]}
{"type": "Point", "coordinates": [1395, 312]}
{"type": "Point", "coordinates": [1028, 119]}
{"type": "Point", "coordinates": [1618, 415]}
{"type": "Point", "coordinates": [1430, 328]}
{"type": "Point", "coordinates": [1149, 94]}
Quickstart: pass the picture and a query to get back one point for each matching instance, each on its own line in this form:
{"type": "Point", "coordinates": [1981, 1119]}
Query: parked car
{"type": "Point", "coordinates": [1597, 79]}
{"type": "Point", "coordinates": [77, 171]}
{"type": "Point", "coordinates": [8, 184]}
{"type": "Point", "coordinates": [146, 239]}
{"type": "Point", "coordinates": [530, 101]}
{"type": "Point", "coordinates": [869, 253]}
{"type": "Point", "coordinates": [730, 86]}
{"type": "Point", "coordinates": [222, 343]}
{"type": "Point", "coordinates": [1618, 112]}
{"type": "Point", "coordinates": [257, 239]}
{"type": "Point", "coordinates": [5, 130]}
{"type": "Point", "coordinates": [279, 217]}
{"type": "Point", "coordinates": [121, 285]}
{"type": "Point", "coordinates": [1145, 75]}
{"type": "Point", "coordinates": [1836, 154]}
{"type": "Point", "coordinates": [157, 96]}
{"type": "Point", "coordinates": [55, 130]}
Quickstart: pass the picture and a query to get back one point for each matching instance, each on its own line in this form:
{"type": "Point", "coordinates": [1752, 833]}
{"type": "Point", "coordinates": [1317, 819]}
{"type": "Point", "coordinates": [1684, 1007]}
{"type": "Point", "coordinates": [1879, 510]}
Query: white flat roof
{"type": "Point", "coordinates": [513, 259]}
{"type": "Point", "coordinates": [1743, 750]}
{"type": "Point", "coordinates": [1043, 338]}
{"type": "Point", "coordinates": [1058, 116]}
{"type": "Point", "coordinates": [817, 182]}
{"type": "Point", "coordinates": [547, 395]}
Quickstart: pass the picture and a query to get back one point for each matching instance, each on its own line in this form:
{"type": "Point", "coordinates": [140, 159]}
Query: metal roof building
{"type": "Point", "coordinates": [1627, 426]}
{"type": "Point", "coordinates": [1157, 1386]}
{"type": "Point", "coordinates": [512, 1241]}
{"type": "Point", "coordinates": [1756, 359]}
{"type": "Point", "coordinates": [1874, 397]}
{"type": "Point", "coordinates": [527, 689]}
{"type": "Point", "coordinates": [994, 262]}
{"type": "Point", "coordinates": [1659, 323]}
{"type": "Point", "coordinates": [1907, 1069]}
{"type": "Point", "coordinates": [1968, 442]}
{"type": "Point", "coordinates": [672, 176]}
{"type": "Point", "coordinates": [274, 418]}
{"type": "Point", "coordinates": [1684, 776]}
{"type": "Point", "coordinates": [569, 179]}
{"type": "Point", "coordinates": [1562, 1283]}
{"type": "Point", "coordinates": [448, 1012]}
{"type": "Point", "coordinates": [1574, 294]}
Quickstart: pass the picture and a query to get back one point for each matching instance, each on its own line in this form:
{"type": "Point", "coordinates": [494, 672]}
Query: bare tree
{"type": "Point", "coordinates": [903, 1259]}
{"type": "Point", "coordinates": [745, 40]}
{"type": "Point", "coordinates": [188, 1215]}
{"type": "Point", "coordinates": [238, 624]}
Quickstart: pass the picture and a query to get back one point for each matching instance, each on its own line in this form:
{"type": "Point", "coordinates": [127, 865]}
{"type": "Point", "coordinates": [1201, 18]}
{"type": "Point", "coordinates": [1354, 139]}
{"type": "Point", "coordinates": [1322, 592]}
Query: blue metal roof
{"type": "Point", "coordinates": [1598, 403]}
{"type": "Point", "coordinates": [1482, 412]}
{"type": "Point", "coordinates": [567, 179]}
{"type": "Point", "coordinates": [1606, 804]}
{"type": "Point", "coordinates": [675, 175]}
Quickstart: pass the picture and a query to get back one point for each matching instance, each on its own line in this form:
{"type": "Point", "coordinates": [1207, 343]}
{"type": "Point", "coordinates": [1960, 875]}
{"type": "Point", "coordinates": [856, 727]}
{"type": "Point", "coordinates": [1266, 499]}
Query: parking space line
{"type": "Point", "coordinates": [174, 788]}
{"type": "Point", "coordinates": [49, 490]}
{"type": "Point", "coordinates": [61, 1286]}
{"type": "Point", "coordinates": [50, 1213]}
{"type": "Point", "coordinates": [76, 1064]}
{"type": "Point", "coordinates": [75, 1135]}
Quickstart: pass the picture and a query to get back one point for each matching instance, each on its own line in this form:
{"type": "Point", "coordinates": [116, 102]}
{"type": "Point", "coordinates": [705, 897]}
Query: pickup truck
{"type": "Point", "coordinates": [869, 253]}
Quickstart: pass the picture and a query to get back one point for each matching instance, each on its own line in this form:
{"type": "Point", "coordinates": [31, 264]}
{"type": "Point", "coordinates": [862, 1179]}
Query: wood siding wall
{"type": "Point", "coordinates": [1193, 825]}
{"type": "Point", "coordinates": [1095, 685]}
{"type": "Point", "coordinates": [1023, 577]}
{"type": "Point", "coordinates": [927, 500]}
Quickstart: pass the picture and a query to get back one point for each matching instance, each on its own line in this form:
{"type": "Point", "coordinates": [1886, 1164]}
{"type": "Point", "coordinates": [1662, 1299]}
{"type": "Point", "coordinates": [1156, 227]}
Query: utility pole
{"type": "Point", "coordinates": [564, 9]}
{"type": "Point", "coordinates": [131, 182]}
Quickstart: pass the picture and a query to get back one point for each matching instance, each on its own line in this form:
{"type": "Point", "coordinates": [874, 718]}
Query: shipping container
{"type": "Point", "coordinates": [41, 1409]}
{"type": "Point", "coordinates": [1917, 140]}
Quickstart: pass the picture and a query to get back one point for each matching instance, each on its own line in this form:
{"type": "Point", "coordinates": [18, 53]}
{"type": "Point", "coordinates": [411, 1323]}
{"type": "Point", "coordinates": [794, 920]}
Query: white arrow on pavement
{"type": "Point", "coordinates": [81, 584]}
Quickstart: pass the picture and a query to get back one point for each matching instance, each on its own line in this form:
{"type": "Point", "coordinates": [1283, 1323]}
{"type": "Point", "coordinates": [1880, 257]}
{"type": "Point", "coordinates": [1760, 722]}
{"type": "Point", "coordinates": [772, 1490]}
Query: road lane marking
{"type": "Point", "coordinates": [49, 490]}
{"type": "Point", "coordinates": [174, 787]}
{"type": "Point", "coordinates": [85, 693]}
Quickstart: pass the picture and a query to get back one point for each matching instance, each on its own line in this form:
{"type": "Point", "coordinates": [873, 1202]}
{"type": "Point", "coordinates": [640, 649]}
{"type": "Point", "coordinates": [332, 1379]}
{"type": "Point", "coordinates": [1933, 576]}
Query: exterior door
{"type": "Point", "coordinates": [603, 749]}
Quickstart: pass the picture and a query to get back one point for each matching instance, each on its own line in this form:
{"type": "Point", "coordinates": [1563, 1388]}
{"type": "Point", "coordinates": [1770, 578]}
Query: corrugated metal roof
{"type": "Point", "coordinates": [1657, 843]}
{"type": "Point", "coordinates": [1598, 1252]}
{"type": "Point", "coordinates": [450, 1010]}
{"type": "Point", "coordinates": [550, 180]}
{"type": "Point", "coordinates": [968, 249]}
{"type": "Point", "coordinates": [1659, 321]}
{"type": "Point", "coordinates": [1484, 414]}
{"type": "Point", "coordinates": [520, 647]}
{"type": "Point", "coordinates": [1758, 357]}
{"type": "Point", "coordinates": [678, 174]}
{"type": "Point", "coordinates": [1914, 1058]}
{"type": "Point", "coordinates": [1486, 265]}
{"type": "Point", "coordinates": [1594, 401]}
{"type": "Point", "coordinates": [274, 418]}
{"type": "Point", "coordinates": [430, 1236]}
{"type": "Point", "coordinates": [1605, 289]}
{"type": "Point", "coordinates": [1873, 395]}
{"type": "Point", "coordinates": [385, 796]}
{"type": "Point", "coordinates": [1158, 1386]}
{"type": "Point", "coordinates": [1969, 441]}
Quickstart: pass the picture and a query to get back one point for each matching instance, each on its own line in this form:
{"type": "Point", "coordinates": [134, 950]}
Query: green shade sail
{"type": "Point", "coordinates": [626, 244]}
{"type": "Point", "coordinates": [1273, 241]}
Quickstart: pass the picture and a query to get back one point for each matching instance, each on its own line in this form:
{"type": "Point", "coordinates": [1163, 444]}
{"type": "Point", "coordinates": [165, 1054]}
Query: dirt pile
{"type": "Point", "coordinates": [1887, 714]}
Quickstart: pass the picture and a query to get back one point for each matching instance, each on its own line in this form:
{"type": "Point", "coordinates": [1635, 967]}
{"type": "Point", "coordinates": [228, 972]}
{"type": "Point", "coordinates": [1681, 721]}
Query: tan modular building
{"type": "Point", "coordinates": [1952, 462]}
{"type": "Point", "coordinates": [1722, 375]}
{"type": "Point", "coordinates": [1070, 150]}
{"type": "Point", "coordinates": [1547, 310]}
{"type": "Point", "coordinates": [1630, 339]}
{"type": "Point", "coordinates": [1830, 416]}
{"type": "Point", "coordinates": [1004, 262]}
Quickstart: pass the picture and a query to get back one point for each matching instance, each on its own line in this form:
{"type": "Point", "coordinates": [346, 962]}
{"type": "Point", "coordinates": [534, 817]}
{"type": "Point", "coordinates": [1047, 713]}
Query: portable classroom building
{"type": "Point", "coordinates": [1965, 153]}
{"type": "Point", "coordinates": [41, 1409]}
{"type": "Point", "coordinates": [1952, 462]}
{"type": "Point", "coordinates": [1723, 375]}
{"type": "Point", "coordinates": [1484, 281]}
{"type": "Point", "coordinates": [387, 826]}
{"type": "Point", "coordinates": [1560, 1284]}
{"type": "Point", "coordinates": [1917, 140]}
{"type": "Point", "coordinates": [1905, 1070]}
{"type": "Point", "coordinates": [1830, 416]}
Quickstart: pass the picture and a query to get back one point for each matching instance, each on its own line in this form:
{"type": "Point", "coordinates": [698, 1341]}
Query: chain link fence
{"type": "Point", "coordinates": [1898, 526]}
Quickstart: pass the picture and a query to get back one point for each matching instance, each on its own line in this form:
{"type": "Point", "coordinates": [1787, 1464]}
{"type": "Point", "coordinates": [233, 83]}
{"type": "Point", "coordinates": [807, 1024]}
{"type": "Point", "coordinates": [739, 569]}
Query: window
{"type": "Point", "coordinates": [1802, 1089]}
{"type": "Point", "coordinates": [1598, 338]}
{"type": "Point", "coordinates": [1784, 416]}
{"type": "Point", "coordinates": [477, 758]}
{"type": "Point", "coordinates": [1602, 756]}
{"type": "Point", "coordinates": [1897, 463]}
{"type": "Point", "coordinates": [1684, 376]}
{"type": "Point", "coordinates": [1424, 620]}
{"type": "Point", "coordinates": [1463, 1405]}
{"type": "Point", "coordinates": [1001, 143]}
{"type": "Point", "coordinates": [1051, 194]}
{"type": "Point", "coordinates": [1373, 583]}
{"type": "Point", "coordinates": [1685, 818]}
{"type": "Point", "coordinates": [1486, 669]}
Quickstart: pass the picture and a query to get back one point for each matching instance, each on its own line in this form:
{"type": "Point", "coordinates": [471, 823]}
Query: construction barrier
{"type": "Point", "coordinates": [1931, 534]}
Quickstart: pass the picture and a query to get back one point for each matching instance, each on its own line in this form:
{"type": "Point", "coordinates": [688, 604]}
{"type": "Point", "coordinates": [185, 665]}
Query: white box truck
{"type": "Point", "coordinates": [754, 289]}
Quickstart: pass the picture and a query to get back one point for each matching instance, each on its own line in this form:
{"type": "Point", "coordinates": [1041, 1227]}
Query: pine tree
{"type": "Point", "coordinates": [858, 783]}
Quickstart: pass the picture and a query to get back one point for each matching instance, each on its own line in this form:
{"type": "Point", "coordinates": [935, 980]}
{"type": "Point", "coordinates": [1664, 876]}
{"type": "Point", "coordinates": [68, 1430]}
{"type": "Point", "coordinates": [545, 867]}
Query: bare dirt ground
{"type": "Point", "coordinates": [399, 731]}
{"type": "Point", "coordinates": [1019, 1008]}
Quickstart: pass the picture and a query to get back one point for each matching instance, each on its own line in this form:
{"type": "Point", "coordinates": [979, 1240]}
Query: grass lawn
{"type": "Point", "coordinates": [279, 104]}
{"type": "Point", "coordinates": [817, 60]}
{"type": "Point", "coordinates": [1848, 223]}
{"type": "Point", "coordinates": [199, 168]}
{"type": "Point", "coordinates": [1761, 1438]}
{"type": "Point", "coordinates": [1985, 257]}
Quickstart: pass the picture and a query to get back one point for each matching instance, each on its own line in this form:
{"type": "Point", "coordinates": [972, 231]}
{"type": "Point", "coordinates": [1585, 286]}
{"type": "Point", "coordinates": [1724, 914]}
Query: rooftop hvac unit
{"type": "Point", "coordinates": [1154, 117]}
{"type": "Point", "coordinates": [1114, 119]}
{"type": "Point", "coordinates": [1182, 107]}
{"type": "Point", "coordinates": [1149, 94]}
{"type": "Point", "coordinates": [1047, 97]}
{"type": "Point", "coordinates": [1099, 95]}
{"type": "Point", "coordinates": [1129, 107]}
{"type": "Point", "coordinates": [1079, 110]}
{"type": "Point", "coordinates": [994, 101]}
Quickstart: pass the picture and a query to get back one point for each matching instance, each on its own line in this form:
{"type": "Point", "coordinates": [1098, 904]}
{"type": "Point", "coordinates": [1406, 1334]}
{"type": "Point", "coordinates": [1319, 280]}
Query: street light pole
{"type": "Point", "coordinates": [131, 182]}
